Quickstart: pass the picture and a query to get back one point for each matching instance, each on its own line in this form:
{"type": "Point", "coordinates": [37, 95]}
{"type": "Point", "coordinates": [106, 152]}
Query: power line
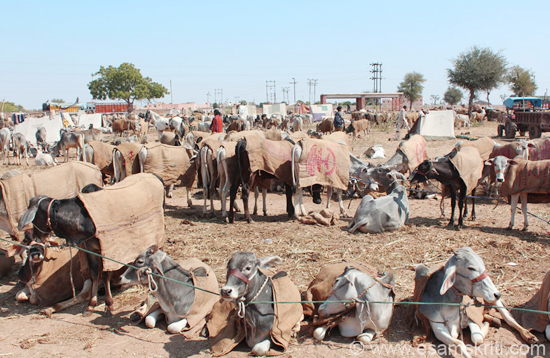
{"type": "Point", "coordinates": [270, 92]}
{"type": "Point", "coordinates": [294, 83]}
{"type": "Point", "coordinates": [312, 82]}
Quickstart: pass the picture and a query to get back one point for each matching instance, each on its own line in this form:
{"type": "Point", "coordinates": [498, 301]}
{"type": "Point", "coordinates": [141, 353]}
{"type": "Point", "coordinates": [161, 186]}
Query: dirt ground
{"type": "Point", "coordinates": [515, 260]}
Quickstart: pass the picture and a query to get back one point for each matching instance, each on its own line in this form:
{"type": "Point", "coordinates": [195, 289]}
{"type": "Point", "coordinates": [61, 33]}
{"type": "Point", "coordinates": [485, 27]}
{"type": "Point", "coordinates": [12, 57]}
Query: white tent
{"type": "Point", "coordinates": [437, 125]}
{"type": "Point", "coordinates": [84, 120]}
{"type": "Point", "coordinates": [31, 124]}
{"type": "Point", "coordinates": [269, 109]}
{"type": "Point", "coordinates": [321, 110]}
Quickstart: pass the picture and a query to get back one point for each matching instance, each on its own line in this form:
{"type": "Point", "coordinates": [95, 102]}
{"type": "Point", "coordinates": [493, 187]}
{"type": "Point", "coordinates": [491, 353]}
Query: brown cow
{"type": "Point", "coordinates": [120, 125]}
{"type": "Point", "coordinates": [326, 126]}
{"type": "Point", "coordinates": [357, 127]}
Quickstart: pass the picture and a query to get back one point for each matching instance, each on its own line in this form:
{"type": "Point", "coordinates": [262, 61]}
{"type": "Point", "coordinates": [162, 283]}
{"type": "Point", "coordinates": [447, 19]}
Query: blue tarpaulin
{"type": "Point", "coordinates": [530, 102]}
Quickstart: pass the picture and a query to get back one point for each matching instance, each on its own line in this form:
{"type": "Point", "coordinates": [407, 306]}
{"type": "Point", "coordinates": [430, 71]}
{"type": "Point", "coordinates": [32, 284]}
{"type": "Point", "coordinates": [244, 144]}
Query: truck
{"type": "Point", "coordinates": [121, 107]}
{"type": "Point", "coordinates": [530, 114]}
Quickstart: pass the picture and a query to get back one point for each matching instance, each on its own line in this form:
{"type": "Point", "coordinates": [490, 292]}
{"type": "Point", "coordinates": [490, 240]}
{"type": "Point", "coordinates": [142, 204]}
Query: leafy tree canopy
{"type": "Point", "coordinates": [58, 100]}
{"type": "Point", "coordinates": [479, 69]}
{"type": "Point", "coordinates": [452, 95]}
{"type": "Point", "coordinates": [522, 81]}
{"type": "Point", "coordinates": [12, 107]}
{"type": "Point", "coordinates": [243, 102]}
{"type": "Point", "coordinates": [412, 86]}
{"type": "Point", "coordinates": [126, 83]}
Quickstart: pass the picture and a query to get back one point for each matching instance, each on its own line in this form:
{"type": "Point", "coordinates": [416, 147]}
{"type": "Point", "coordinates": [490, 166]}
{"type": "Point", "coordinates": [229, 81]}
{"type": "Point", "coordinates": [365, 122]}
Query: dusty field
{"type": "Point", "coordinates": [516, 262]}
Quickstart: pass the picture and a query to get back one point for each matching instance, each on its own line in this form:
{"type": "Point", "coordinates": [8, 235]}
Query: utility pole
{"type": "Point", "coordinates": [376, 77]}
{"type": "Point", "coordinates": [208, 97]}
{"type": "Point", "coordinates": [309, 83]}
{"type": "Point", "coordinates": [171, 93]}
{"type": "Point", "coordinates": [270, 91]}
{"type": "Point", "coordinates": [314, 89]}
{"type": "Point", "coordinates": [221, 90]}
{"type": "Point", "coordinates": [285, 91]}
{"type": "Point", "coordinates": [294, 83]}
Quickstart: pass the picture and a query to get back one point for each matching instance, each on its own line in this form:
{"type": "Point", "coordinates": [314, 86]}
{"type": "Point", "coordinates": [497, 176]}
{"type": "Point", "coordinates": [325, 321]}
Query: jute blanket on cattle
{"type": "Point", "coordinates": [527, 176]}
{"type": "Point", "coordinates": [539, 149]}
{"type": "Point", "coordinates": [298, 136]}
{"type": "Point", "coordinates": [199, 136]}
{"type": "Point", "coordinates": [237, 136]}
{"type": "Point", "coordinates": [508, 150]}
{"type": "Point", "coordinates": [321, 287]}
{"type": "Point", "coordinates": [270, 156]}
{"type": "Point", "coordinates": [323, 162]}
{"type": "Point", "coordinates": [337, 137]}
{"type": "Point", "coordinates": [128, 216]}
{"type": "Point", "coordinates": [469, 165]}
{"type": "Point", "coordinates": [539, 302]}
{"type": "Point", "coordinates": [415, 151]}
{"type": "Point", "coordinates": [477, 314]}
{"type": "Point", "coordinates": [60, 182]}
{"type": "Point", "coordinates": [171, 163]}
{"type": "Point", "coordinates": [273, 134]}
{"type": "Point", "coordinates": [103, 156]}
{"type": "Point", "coordinates": [53, 283]}
{"type": "Point", "coordinates": [227, 330]}
{"type": "Point", "coordinates": [203, 302]}
{"type": "Point", "coordinates": [129, 153]}
{"type": "Point", "coordinates": [484, 146]}
{"type": "Point", "coordinates": [213, 143]}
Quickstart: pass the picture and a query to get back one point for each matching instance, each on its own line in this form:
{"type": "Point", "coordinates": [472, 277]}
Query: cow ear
{"type": "Point", "coordinates": [29, 215]}
{"type": "Point", "coordinates": [200, 272]}
{"type": "Point", "coordinates": [450, 276]}
{"type": "Point", "coordinates": [490, 161]}
{"type": "Point", "coordinates": [14, 250]}
{"type": "Point", "coordinates": [152, 250]}
{"type": "Point", "coordinates": [513, 162]}
{"type": "Point", "coordinates": [270, 261]}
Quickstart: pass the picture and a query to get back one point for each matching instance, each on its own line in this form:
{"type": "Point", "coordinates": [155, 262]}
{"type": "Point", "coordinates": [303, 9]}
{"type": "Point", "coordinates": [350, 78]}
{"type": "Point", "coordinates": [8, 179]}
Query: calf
{"type": "Point", "coordinates": [246, 284]}
{"type": "Point", "coordinates": [326, 126]}
{"type": "Point", "coordinates": [20, 148]}
{"type": "Point", "coordinates": [68, 140]}
{"type": "Point", "coordinates": [357, 127]}
{"type": "Point", "coordinates": [364, 320]}
{"type": "Point", "coordinates": [41, 138]}
{"type": "Point", "coordinates": [5, 139]}
{"type": "Point", "coordinates": [183, 306]}
{"type": "Point", "coordinates": [386, 213]}
{"type": "Point", "coordinates": [518, 177]}
{"type": "Point", "coordinates": [462, 118]}
{"type": "Point", "coordinates": [466, 274]}
{"type": "Point", "coordinates": [44, 159]}
{"type": "Point", "coordinates": [297, 123]}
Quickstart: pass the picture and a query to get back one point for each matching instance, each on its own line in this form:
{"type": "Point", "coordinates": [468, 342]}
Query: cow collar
{"type": "Point", "coordinates": [48, 219]}
{"type": "Point", "coordinates": [481, 277]}
{"type": "Point", "coordinates": [241, 276]}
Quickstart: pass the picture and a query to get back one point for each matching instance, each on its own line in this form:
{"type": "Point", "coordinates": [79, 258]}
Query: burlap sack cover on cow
{"type": "Point", "coordinates": [539, 149]}
{"type": "Point", "coordinates": [469, 165]}
{"type": "Point", "coordinates": [272, 157]}
{"type": "Point", "coordinates": [423, 330]}
{"type": "Point", "coordinates": [204, 301]}
{"type": "Point", "coordinates": [539, 302]}
{"type": "Point", "coordinates": [171, 163]}
{"type": "Point", "coordinates": [415, 151]}
{"type": "Point", "coordinates": [322, 286]}
{"type": "Point", "coordinates": [226, 330]}
{"type": "Point", "coordinates": [237, 136]}
{"type": "Point", "coordinates": [128, 216]}
{"type": "Point", "coordinates": [527, 176]}
{"type": "Point", "coordinates": [325, 163]}
{"type": "Point", "coordinates": [103, 157]}
{"type": "Point", "coordinates": [60, 182]}
{"type": "Point", "coordinates": [483, 145]}
{"type": "Point", "coordinates": [129, 153]}
{"type": "Point", "coordinates": [337, 137]}
{"type": "Point", "coordinates": [213, 143]}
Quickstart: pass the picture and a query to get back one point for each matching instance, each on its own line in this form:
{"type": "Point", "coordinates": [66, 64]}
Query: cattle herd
{"type": "Point", "coordinates": [111, 203]}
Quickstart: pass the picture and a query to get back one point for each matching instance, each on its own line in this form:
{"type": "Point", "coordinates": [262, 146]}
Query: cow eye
{"type": "Point", "coordinates": [471, 268]}
{"type": "Point", "coordinates": [139, 262]}
{"type": "Point", "coordinates": [248, 268]}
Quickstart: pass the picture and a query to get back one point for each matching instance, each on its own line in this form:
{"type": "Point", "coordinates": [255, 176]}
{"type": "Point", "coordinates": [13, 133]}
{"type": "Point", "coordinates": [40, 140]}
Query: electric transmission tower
{"type": "Point", "coordinates": [294, 83]}
{"type": "Point", "coordinates": [285, 94]}
{"type": "Point", "coordinates": [312, 82]}
{"type": "Point", "coordinates": [376, 77]}
{"type": "Point", "coordinates": [270, 92]}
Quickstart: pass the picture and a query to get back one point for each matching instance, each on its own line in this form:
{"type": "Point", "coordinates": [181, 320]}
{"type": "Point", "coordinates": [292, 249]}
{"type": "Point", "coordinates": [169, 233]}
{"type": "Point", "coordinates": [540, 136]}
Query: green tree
{"type": "Point", "coordinates": [478, 69]}
{"type": "Point", "coordinates": [243, 102]}
{"type": "Point", "coordinates": [215, 105]}
{"type": "Point", "coordinates": [452, 95]}
{"type": "Point", "coordinates": [522, 81]}
{"type": "Point", "coordinates": [126, 83]}
{"type": "Point", "coordinates": [12, 107]}
{"type": "Point", "coordinates": [412, 86]}
{"type": "Point", "coordinates": [58, 100]}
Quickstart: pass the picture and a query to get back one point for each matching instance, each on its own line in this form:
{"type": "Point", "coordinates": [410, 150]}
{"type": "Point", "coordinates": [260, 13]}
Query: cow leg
{"type": "Point", "coordinates": [442, 333]}
{"type": "Point", "coordinates": [83, 296]}
{"type": "Point", "coordinates": [478, 333]}
{"type": "Point", "coordinates": [461, 200]}
{"type": "Point", "coordinates": [264, 200]}
{"type": "Point", "coordinates": [152, 318]}
{"type": "Point", "coordinates": [329, 196]}
{"type": "Point", "coordinates": [232, 196]}
{"type": "Point", "coordinates": [205, 180]}
{"type": "Point", "coordinates": [319, 333]}
{"type": "Point", "coordinates": [340, 202]}
{"type": "Point", "coordinates": [453, 206]}
{"type": "Point", "coordinates": [256, 195]}
{"type": "Point", "coordinates": [289, 206]}
{"type": "Point", "coordinates": [513, 206]}
{"type": "Point", "coordinates": [168, 190]}
{"type": "Point", "coordinates": [189, 201]}
{"type": "Point", "coordinates": [23, 295]}
{"type": "Point", "coordinates": [366, 337]}
{"type": "Point", "coordinates": [108, 295]}
{"type": "Point", "coordinates": [178, 326]}
{"type": "Point", "coordinates": [299, 208]}
{"type": "Point", "coordinates": [96, 268]}
{"type": "Point", "coordinates": [212, 179]}
{"type": "Point", "coordinates": [523, 197]}
{"type": "Point", "coordinates": [245, 192]}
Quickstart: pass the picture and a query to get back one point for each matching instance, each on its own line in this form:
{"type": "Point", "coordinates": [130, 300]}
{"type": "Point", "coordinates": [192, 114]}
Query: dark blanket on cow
{"type": "Point", "coordinates": [226, 329]}
{"type": "Point", "coordinates": [272, 157]}
{"type": "Point", "coordinates": [128, 216]}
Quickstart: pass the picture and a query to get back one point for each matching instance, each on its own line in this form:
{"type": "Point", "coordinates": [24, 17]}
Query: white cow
{"type": "Point", "coordinates": [5, 137]}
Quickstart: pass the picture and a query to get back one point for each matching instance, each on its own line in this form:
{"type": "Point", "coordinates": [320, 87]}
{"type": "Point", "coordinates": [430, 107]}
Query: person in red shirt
{"type": "Point", "coordinates": [217, 122]}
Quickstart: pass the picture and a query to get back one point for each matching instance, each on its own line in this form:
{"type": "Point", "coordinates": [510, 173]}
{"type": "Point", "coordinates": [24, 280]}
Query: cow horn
{"type": "Point", "coordinates": [29, 215]}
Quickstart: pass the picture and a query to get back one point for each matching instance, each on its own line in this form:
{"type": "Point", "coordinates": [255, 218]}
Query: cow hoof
{"type": "Point", "coordinates": [135, 317]}
{"type": "Point", "coordinates": [525, 228]}
{"type": "Point", "coordinates": [255, 212]}
{"type": "Point", "coordinates": [509, 228]}
{"type": "Point", "coordinates": [87, 313]}
{"type": "Point", "coordinates": [108, 312]}
{"type": "Point", "coordinates": [47, 312]}
{"type": "Point", "coordinates": [319, 333]}
{"type": "Point", "coordinates": [265, 213]}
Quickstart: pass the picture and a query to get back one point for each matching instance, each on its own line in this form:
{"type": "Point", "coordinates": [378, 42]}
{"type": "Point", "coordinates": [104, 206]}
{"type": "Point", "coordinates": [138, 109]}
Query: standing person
{"type": "Point", "coordinates": [338, 120]}
{"type": "Point", "coordinates": [217, 122]}
{"type": "Point", "coordinates": [402, 122]}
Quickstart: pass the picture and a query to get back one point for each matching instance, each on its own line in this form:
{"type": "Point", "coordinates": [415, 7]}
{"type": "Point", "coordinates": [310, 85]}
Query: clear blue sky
{"type": "Point", "coordinates": [51, 48]}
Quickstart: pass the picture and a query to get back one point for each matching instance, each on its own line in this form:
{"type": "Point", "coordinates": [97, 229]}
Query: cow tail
{"type": "Point", "coordinates": [241, 145]}
{"type": "Point", "coordinates": [293, 168]}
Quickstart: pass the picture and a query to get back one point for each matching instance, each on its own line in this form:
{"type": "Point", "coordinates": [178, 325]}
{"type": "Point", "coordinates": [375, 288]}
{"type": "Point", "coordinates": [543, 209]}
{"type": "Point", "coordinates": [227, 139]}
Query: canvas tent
{"type": "Point", "coordinates": [269, 109]}
{"type": "Point", "coordinates": [31, 124]}
{"type": "Point", "coordinates": [321, 110]}
{"type": "Point", "coordinates": [85, 120]}
{"type": "Point", "coordinates": [436, 125]}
